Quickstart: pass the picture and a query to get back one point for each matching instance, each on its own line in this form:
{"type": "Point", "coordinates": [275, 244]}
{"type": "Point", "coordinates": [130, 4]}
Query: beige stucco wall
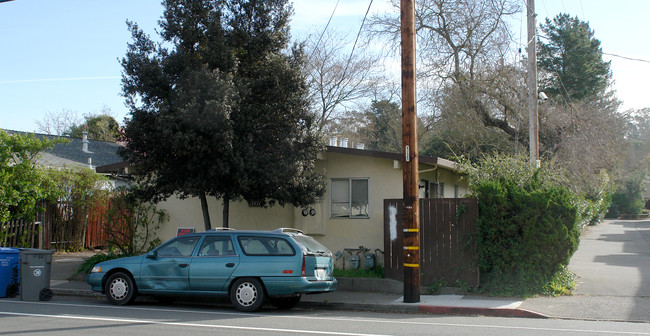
{"type": "Point", "coordinates": [384, 182]}
{"type": "Point", "coordinates": [187, 213]}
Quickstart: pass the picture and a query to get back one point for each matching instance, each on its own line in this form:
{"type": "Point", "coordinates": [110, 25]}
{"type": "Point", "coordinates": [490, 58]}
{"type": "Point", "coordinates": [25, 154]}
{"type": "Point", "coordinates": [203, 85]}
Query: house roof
{"type": "Point", "coordinates": [72, 154]}
{"type": "Point", "coordinates": [429, 160]}
{"type": "Point", "coordinates": [119, 167]}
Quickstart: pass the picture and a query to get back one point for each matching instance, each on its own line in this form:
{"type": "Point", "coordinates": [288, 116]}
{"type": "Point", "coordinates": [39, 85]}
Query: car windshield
{"type": "Point", "coordinates": [310, 245]}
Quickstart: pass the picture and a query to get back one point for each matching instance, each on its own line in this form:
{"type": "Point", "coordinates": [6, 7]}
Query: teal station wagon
{"type": "Point", "coordinates": [248, 266]}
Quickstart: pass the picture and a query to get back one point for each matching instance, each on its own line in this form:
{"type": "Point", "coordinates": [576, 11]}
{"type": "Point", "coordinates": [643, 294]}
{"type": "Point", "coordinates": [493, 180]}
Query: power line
{"type": "Point", "coordinates": [359, 33]}
{"type": "Point", "coordinates": [324, 30]}
{"type": "Point", "coordinates": [627, 58]}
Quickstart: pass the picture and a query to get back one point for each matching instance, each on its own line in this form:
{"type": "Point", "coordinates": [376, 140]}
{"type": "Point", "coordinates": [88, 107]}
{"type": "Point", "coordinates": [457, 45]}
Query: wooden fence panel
{"type": "Point", "coordinates": [21, 233]}
{"type": "Point", "coordinates": [447, 226]}
{"type": "Point", "coordinates": [95, 235]}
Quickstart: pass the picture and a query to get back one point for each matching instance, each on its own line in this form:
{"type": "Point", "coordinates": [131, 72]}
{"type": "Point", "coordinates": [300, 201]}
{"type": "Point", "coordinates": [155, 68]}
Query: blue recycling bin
{"type": "Point", "coordinates": [9, 272]}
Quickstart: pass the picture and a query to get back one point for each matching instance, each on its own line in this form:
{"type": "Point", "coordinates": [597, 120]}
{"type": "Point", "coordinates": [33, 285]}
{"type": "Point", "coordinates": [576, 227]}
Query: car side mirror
{"type": "Point", "coordinates": [152, 255]}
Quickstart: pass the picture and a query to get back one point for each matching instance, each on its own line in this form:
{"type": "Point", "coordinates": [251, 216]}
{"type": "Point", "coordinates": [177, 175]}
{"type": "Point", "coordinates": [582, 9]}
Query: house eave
{"type": "Point", "coordinates": [422, 159]}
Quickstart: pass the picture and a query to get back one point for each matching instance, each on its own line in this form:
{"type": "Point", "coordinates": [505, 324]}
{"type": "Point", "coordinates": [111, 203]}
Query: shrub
{"type": "Point", "coordinates": [131, 225]}
{"type": "Point", "coordinates": [628, 198]}
{"type": "Point", "coordinates": [90, 262]}
{"type": "Point", "coordinates": [528, 226]}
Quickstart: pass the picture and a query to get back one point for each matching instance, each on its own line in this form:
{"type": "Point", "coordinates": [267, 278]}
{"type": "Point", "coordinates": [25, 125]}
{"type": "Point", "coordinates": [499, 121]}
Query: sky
{"type": "Point", "coordinates": [60, 55]}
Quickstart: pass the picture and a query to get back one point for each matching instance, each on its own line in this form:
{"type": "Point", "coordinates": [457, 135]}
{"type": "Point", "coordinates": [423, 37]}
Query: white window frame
{"type": "Point", "coordinates": [350, 180]}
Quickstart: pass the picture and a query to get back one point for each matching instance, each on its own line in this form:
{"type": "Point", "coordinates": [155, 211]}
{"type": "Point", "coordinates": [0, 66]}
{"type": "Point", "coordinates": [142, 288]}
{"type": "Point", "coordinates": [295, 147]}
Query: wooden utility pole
{"type": "Point", "coordinates": [533, 124]}
{"type": "Point", "coordinates": [410, 158]}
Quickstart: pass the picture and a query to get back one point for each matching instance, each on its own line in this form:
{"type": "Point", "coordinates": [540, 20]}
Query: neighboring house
{"type": "Point", "coordinates": [349, 215]}
{"type": "Point", "coordinates": [72, 154]}
{"type": "Point", "coordinates": [79, 153]}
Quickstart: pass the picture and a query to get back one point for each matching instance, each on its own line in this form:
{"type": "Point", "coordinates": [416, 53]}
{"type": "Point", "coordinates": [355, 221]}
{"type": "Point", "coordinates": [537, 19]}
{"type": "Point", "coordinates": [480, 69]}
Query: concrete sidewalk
{"type": "Point", "coordinates": [612, 264]}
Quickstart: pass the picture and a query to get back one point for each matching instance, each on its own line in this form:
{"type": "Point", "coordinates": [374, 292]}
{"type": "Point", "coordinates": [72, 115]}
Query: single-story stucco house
{"type": "Point", "coordinates": [349, 215]}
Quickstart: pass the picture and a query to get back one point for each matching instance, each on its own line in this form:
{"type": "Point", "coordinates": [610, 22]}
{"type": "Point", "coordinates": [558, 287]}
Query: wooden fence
{"type": "Point", "coordinates": [52, 229]}
{"type": "Point", "coordinates": [447, 226]}
{"type": "Point", "coordinates": [21, 233]}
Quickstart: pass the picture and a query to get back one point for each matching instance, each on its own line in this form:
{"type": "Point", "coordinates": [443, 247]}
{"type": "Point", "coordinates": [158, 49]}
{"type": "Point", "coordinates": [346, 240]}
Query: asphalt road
{"type": "Point", "coordinates": [86, 316]}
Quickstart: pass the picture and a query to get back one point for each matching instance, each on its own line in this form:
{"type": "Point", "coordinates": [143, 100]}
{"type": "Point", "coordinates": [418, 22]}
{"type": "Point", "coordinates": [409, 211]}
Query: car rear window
{"type": "Point", "coordinates": [310, 245]}
{"type": "Point", "coordinates": [271, 246]}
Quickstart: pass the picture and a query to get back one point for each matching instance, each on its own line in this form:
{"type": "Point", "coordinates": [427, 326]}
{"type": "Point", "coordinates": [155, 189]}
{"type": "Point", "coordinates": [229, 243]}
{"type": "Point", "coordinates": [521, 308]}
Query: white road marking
{"type": "Point", "coordinates": [181, 324]}
{"type": "Point", "coordinates": [340, 319]}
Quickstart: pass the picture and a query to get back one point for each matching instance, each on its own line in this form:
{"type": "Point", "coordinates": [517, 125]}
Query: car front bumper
{"type": "Point", "coordinates": [95, 281]}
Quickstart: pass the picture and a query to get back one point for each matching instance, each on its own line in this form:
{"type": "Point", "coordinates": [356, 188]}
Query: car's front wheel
{"type": "Point", "coordinates": [120, 289]}
{"type": "Point", "coordinates": [247, 294]}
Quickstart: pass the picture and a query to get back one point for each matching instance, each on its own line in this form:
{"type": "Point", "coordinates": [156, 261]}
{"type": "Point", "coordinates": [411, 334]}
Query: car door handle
{"type": "Point", "coordinates": [230, 265]}
{"type": "Point", "coordinates": [183, 265]}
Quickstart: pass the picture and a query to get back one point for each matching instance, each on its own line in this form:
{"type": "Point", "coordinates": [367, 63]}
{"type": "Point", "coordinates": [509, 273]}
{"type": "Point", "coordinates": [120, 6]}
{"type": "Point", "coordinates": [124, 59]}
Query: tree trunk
{"type": "Point", "coordinates": [226, 210]}
{"type": "Point", "coordinates": [206, 214]}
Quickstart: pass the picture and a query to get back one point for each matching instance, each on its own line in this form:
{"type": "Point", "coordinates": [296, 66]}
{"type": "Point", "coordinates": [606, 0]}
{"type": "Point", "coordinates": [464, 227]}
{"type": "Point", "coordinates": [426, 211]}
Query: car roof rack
{"type": "Point", "coordinates": [288, 230]}
{"type": "Point", "coordinates": [222, 229]}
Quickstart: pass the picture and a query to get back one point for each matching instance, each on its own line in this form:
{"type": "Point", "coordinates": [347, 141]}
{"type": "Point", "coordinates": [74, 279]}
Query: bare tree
{"type": "Point", "coordinates": [57, 123]}
{"type": "Point", "coordinates": [583, 142]}
{"type": "Point", "coordinates": [339, 75]}
{"type": "Point", "coordinates": [464, 43]}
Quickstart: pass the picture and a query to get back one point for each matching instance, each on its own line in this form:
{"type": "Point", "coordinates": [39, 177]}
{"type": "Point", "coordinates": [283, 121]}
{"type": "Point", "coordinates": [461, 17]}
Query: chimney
{"type": "Point", "coordinates": [85, 142]}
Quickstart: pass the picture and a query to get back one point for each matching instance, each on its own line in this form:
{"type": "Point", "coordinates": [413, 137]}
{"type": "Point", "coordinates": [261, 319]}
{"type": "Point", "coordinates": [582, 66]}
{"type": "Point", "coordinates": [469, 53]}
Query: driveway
{"type": "Point", "coordinates": [613, 269]}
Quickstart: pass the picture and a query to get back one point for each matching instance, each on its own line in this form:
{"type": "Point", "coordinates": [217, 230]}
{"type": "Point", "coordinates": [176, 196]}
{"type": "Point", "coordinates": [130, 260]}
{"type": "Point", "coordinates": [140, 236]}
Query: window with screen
{"type": "Point", "coordinates": [349, 198]}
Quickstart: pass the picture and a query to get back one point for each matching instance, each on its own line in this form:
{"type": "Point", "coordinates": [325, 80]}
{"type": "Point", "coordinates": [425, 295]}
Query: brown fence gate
{"type": "Point", "coordinates": [447, 226]}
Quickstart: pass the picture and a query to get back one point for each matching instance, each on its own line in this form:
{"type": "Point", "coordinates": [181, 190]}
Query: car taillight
{"type": "Point", "coordinates": [303, 272]}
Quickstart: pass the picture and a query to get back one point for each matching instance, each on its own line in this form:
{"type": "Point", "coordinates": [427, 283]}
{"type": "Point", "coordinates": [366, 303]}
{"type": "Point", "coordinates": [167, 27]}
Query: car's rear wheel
{"type": "Point", "coordinates": [247, 294]}
{"type": "Point", "coordinates": [285, 302]}
{"type": "Point", "coordinates": [120, 289]}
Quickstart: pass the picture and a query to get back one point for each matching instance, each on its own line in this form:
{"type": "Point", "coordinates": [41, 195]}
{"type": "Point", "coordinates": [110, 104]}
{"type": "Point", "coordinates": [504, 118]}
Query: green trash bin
{"type": "Point", "coordinates": [35, 271]}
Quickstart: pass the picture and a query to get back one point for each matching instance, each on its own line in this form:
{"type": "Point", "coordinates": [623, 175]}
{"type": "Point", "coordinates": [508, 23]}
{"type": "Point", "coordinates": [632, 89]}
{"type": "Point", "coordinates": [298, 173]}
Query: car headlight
{"type": "Point", "coordinates": [96, 269]}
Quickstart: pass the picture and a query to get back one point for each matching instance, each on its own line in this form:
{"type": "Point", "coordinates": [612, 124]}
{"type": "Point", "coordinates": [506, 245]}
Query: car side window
{"type": "Point", "coordinates": [272, 246]}
{"type": "Point", "coordinates": [214, 246]}
{"type": "Point", "coordinates": [181, 247]}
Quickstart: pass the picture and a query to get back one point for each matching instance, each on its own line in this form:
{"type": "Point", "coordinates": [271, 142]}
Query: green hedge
{"type": "Point", "coordinates": [628, 198]}
{"type": "Point", "coordinates": [526, 236]}
{"type": "Point", "coordinates": [528, 228]}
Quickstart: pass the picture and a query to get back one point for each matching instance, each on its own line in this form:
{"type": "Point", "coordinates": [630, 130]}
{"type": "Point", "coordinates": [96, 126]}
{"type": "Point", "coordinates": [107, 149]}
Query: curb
{"type": "Point", "coordinates": [372, 307]}
{"type": "Point", "coordinates": [493, 312]}
{"type": "Point", "coordinates": [425, 309]}
{"type": "Point", "coordinates": [75, 292]}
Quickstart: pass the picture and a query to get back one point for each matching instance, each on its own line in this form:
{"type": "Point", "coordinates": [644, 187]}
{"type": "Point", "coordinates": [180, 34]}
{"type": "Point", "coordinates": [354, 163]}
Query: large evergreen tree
{"type": "Point", "coordinates": [219, 109]}
{"type": "Point", "coordinates": [571, 60]}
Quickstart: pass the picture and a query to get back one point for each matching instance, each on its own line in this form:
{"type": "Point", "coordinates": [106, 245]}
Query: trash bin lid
{"type": "Point", "coordinates": [35, 251]}
{"type": "Point", "coordinates": [9, 250]}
